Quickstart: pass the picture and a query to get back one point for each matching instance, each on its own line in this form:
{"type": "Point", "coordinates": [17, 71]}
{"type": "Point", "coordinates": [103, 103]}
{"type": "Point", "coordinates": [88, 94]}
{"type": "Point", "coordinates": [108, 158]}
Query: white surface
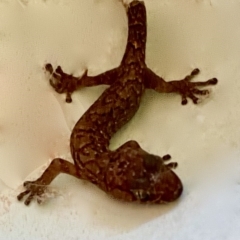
{"type": "Point", "coordinates": [35, 122]}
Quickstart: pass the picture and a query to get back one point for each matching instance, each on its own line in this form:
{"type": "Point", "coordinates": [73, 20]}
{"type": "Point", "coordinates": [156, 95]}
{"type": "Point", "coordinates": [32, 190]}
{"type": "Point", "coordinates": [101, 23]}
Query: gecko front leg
{"type": "Point", "coordinates": [36, 189]}
{"type": "Point", "coordinates": [184, 87]}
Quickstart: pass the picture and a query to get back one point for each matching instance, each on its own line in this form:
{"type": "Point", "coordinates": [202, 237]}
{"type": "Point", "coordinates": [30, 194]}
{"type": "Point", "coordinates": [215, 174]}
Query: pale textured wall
{"type": "Point", "coordinates": [35, 122]}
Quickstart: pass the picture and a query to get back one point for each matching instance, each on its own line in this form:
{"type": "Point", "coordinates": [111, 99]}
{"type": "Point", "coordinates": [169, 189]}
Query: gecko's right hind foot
{"type": "Point", "coordinates": [188, 89]}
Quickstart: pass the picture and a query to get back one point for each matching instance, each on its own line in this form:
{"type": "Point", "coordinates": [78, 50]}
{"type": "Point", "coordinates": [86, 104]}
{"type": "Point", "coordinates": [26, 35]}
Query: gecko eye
{"type": "Point", "coordinates": [151, 163]}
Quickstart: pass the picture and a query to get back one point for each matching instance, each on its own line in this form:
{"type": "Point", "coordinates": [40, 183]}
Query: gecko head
{"type": "Point", "coordinates": [158, 183]}
{"type": "Point", "coordinates": [145, 178]}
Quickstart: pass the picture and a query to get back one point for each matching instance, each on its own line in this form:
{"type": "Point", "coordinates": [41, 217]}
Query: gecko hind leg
{"type": "Point", "coordinates": [36, 189]}
{"type": "Point", "coordinates": [67, 83]}
{"type": "Point", "coordinates": [184, 87]}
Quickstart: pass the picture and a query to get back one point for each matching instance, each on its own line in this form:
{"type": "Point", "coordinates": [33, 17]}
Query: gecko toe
{"type": "Point", "coordinates": [49, 68]}
{"type": "Point", "coordinates": [200, 92]}
{"type": "Point", "coordinates": [172, 165]}
{"type": "Point", "coordinates": [166, 157]}
{"type": "Point", "coordinates": [59, 70]}
{"type": "Point", "coordinates": [194, 99]}
{"type": "Point", "coordinates": [68, 97]}
{"type": "Point", "coordinates": [195, 72]}
{"type": "Point", "coordinates": [184, 100]}
{"type": "Point", "coordinates": [189, 77]}
{"type": "Point", "coordinates": [22, 195]}
{"type": "Point", "coordinates": [29, 199]}
{"type": "Point", "coordinates": [213, 81]}
{"type": "Point", "coordinates": [27, 184]}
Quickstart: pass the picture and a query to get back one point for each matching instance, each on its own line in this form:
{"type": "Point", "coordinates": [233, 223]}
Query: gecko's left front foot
{"type": "Point", "coordinates": [35, 189]}
{"type": "Point", "coordinates": [188, 89]}
{"type": "Point", "coordinates": [62, 82]}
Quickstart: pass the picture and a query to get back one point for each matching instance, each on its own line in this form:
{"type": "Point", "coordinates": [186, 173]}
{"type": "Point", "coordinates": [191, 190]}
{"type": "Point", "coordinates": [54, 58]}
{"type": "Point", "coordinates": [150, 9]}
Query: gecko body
{"type": "Point", "coordinates": [128, 173]}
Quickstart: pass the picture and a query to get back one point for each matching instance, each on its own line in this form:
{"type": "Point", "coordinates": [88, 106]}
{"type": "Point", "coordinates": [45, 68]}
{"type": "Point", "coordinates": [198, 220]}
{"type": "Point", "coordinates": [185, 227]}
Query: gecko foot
{"type": "Point", "coordinates": [189, 89]}
{"type": "Point", "coordinates": [35, 189]}
{"type": "Point", "coordinates": [62, 82]}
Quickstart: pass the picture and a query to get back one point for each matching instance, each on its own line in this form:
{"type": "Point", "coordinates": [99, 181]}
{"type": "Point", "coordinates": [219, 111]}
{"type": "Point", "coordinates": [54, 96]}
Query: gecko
{"type": "Point", "coordinates": [128, 173]}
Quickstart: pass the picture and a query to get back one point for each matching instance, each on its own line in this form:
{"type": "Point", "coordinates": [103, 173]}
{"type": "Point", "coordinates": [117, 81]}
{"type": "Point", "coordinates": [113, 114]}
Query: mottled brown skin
{"type": "Point", "coordinates": [128, 173]}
